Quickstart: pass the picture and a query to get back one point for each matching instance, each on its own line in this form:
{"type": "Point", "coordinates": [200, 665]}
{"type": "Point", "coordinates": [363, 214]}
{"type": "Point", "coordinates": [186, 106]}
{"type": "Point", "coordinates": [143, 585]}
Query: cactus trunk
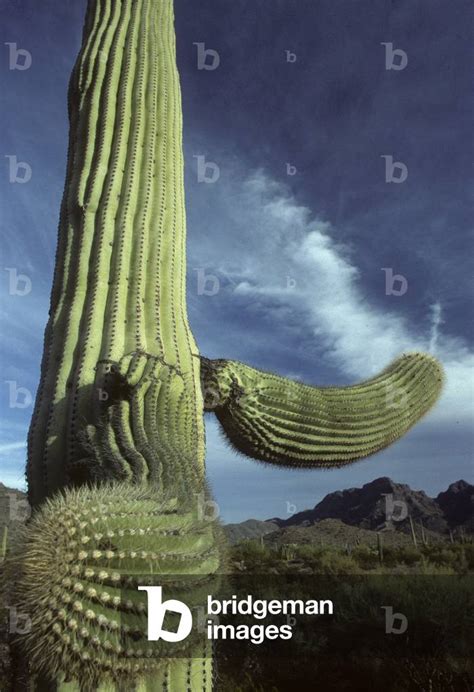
{"type": "Point", "coordinates": [120, 398]}
{"type": "Point", "coordinates": [119, 394]}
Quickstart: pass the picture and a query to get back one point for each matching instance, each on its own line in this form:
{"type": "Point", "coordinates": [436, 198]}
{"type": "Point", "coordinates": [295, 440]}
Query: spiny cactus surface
{"type": "Point", "coordinates": [83, 557]}
{"type": "Point", "coordinates": [119, 399]}
{"type": "Point", "coordinates": [118, 299]}
{"type": "Point", "coordinates": [119, 410]}
{"type": "Point", "coordinates": [276, 420]}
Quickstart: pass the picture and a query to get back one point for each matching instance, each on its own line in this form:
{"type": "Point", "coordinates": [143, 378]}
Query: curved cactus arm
{"type": "Point", "coordinates": [277, 420]}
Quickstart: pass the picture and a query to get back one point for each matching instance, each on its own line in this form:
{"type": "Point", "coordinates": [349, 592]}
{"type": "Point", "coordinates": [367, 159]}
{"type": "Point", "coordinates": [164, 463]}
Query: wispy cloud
{"type": "Point", "coordinates": [11, 446]}
{"type": "Point", "coordinates": [287, 257]}
{"type": "Point", "coordinates": [436, 322]}
{"type": "Point", "coordinates": [288, 286]}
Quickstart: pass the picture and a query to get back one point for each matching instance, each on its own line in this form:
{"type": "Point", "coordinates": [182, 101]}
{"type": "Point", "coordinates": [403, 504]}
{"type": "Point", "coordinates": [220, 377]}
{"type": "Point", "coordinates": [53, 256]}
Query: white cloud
{"type": "Point", "coordinates": [282, 254]}
{"type": "Point", "coordinates": [12, 446]}
{"type": "Point", "coordinates": [436, 322]}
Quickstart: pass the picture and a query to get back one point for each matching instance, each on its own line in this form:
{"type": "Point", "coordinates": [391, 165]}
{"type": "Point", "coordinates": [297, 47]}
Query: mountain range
{"type": "Point", "coordinates": [381, 505]}
{"type": "Point", "coordinates": [344, 515]}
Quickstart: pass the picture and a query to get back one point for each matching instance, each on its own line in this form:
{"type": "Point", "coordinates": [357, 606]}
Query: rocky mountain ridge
{"type": "Point", "coordinates": [381, 505]}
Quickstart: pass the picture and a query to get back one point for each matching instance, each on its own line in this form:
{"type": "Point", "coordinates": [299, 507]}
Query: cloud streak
{"type": "Point", "coordinates": [436, 322]}
{"type": "Point", "coordinates": [12, 446]}
{"type": "Point", "coordinates": [288, 262]}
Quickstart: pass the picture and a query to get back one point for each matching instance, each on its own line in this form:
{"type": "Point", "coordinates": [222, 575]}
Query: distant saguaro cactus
{"type": "Point", "coordinates": [116, 445]}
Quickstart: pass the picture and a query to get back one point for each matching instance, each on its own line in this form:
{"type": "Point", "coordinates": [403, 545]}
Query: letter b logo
{"type": "Point", "coordinates": [156, 616]}
{"type": "Point", "coordinates": [203, 53]}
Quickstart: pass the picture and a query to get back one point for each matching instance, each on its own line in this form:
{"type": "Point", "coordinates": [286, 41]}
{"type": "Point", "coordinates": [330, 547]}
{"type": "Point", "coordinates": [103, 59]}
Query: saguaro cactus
{"type": "Point", "coordinates": [120, 393]}
{"type": "Point", "coordinates": [120, 397]}
{"type": "Point", "coordinates": [116, 445]}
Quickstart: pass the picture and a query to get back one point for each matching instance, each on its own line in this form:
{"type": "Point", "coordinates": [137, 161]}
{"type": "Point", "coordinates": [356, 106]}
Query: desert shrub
{"type": "Point", "coordinates": [309, 553]}
{"type": "Point", "coordinates": [458, 556]}
{"type": "Point", "coordinates": [365, 557]}
{"type": "Point", "coordinates": [332, 562]}
{"type": "Point", "coordinates": [407, 555]}
{"type": "Point", "coordinates": [445, 556]}
{"type": "Point", "coordinates": [252, 552]}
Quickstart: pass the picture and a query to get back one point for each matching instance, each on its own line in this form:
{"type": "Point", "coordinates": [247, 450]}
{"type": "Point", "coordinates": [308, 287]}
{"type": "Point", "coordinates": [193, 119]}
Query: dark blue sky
{"type": "Point", "coordinates": [299, 257]}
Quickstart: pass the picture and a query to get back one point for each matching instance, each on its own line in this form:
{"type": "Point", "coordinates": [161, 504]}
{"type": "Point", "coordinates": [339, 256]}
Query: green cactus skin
{"type": "Point", "coordinates": [272, 419]}
{"type": "Point", "coordinates": [116, 444]}
{"type": "Point", "coordinates": [119, 398]}
{"type": "Point", "coordinates": [81, 565]}
{"type": "Point", "coordinates": [118, 299]}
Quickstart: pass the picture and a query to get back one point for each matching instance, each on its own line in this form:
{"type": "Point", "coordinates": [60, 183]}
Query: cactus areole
{"type": "Point", "coordinates": [116, 445]}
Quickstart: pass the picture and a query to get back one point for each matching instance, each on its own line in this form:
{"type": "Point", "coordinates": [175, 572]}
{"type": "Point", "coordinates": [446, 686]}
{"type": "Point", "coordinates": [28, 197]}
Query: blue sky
{"type": "Point", "coordinates": [298, 258]}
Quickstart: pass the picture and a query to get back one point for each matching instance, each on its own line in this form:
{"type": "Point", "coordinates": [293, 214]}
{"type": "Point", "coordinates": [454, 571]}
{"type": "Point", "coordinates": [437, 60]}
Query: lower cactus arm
{"type": "Point", "coordinates": [277, 420]}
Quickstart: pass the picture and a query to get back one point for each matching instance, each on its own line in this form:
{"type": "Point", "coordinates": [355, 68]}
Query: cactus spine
{"type": "Point", "coordinates": [116, 444]}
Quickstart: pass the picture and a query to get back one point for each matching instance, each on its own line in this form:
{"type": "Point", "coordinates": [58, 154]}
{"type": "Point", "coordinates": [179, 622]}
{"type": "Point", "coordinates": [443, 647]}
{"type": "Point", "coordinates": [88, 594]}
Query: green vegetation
{"type": "Point", "coordinates": [256, 556]}
{"type": "Point", "coordinates": [85, 605]}
{"type": "Point", "coordinates": [119, 400]}
{"type": "Point", "coordinates": [353, 649]}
